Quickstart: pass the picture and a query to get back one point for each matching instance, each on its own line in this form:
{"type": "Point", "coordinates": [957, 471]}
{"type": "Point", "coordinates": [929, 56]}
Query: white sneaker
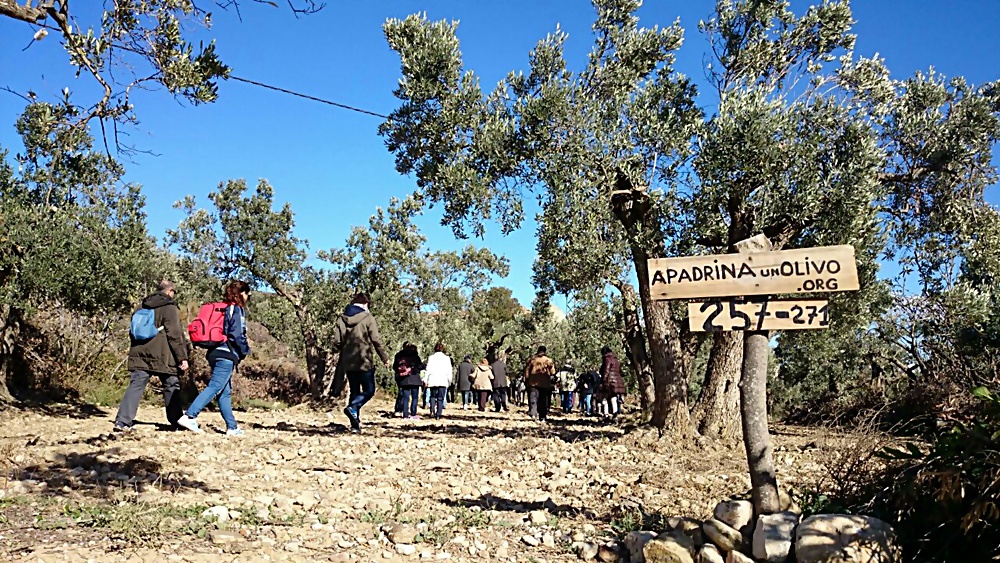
{"type": "Point", "coordinates": [234, 432]}
{"type": "Point", "coordinates": [189, 423]}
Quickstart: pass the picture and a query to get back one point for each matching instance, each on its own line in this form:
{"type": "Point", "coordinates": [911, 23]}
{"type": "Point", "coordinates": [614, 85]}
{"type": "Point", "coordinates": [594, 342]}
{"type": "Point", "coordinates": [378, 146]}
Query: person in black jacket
{"type": "Point", "coordinates": [165, 356]}
{"type": "Point", "coordinates": [501, 386]}
{"type": "Point", "coordinates": [407, 366]}
{"type": "Point", "coordinates": [586, 386]}
{"type": "Point", "coordinates": [465, 370]}
{"type": "Point", "coordinates": [223, 359]}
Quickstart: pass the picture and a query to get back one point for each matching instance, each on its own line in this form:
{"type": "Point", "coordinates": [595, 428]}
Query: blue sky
{"type": "Point", "coordinates": [332, 166]}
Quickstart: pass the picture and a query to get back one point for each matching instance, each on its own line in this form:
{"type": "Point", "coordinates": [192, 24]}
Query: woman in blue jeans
{"type": "Point", "coordinates": [223, 360]}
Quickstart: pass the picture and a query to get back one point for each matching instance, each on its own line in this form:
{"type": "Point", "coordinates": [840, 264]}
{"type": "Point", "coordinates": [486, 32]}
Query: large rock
{"type": "Point", "coordinates": [608, 553]}
{"type": "Point", "coordinates": [737, 557]}
{"type": "Point", "coordinates": [773, 536]}
{"type": "Point", "coordinates": [737, 514]}
{"type": "Point", "coordinates": [722, 535]}
{"type": "Point", "coordinates": [679, 537]}
{"type": "Point", "coordinates": [635, 542]}
{"type": "Point", "coordinates": [841, 538]}
{"type": "Point", "coordinates": [689, 527]}
{"type": "Point", "coordinates": [666, 551]}
{"type": "Point", "coordinates": [710, 554]}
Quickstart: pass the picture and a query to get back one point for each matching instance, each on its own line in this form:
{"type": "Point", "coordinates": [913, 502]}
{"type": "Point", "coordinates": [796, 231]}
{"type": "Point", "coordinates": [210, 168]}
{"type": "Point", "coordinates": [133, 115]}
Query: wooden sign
{"type": "Point", "coordinates": [805, 270]}
{"type": "Point", "coordinates": [764, 314]}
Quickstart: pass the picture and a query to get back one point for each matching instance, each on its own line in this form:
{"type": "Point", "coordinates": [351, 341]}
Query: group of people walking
{"type": "Point", "coordinates": [478, 384]}
{"type": "Point", "coordinates": [165, 355]}
{"type": "Point", "coordinates": [357, 340]}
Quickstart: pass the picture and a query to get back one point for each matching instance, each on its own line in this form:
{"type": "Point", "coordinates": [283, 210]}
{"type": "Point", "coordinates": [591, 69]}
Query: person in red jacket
{"type": "Point", "coordinates": [612, 385]}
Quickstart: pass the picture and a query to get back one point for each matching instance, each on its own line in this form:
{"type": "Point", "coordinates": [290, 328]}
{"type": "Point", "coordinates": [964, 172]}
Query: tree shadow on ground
{"type": "Point", "coordinates": [493, 502]}
{"type": "Point", "coordinates": [101, 474]}
{"type": "Point", "coordinates": [563, 431]}
{"type": "Point", "coordinates": [66, 406]}
{"type": "Point", "coordinates": [304, 430]}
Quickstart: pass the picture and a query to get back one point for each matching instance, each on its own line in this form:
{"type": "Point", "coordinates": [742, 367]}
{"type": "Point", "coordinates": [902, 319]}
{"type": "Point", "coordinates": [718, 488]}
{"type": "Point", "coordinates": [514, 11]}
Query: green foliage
{"type": "Point", "coordinates": [135, 522]}
{"type": "Point", "coordinates": [944, 497]}
{"type": "Point", "coordinates": [418, 295]}
{"type": "Point", "coordinates": [136, 43]}
{"type": "Point", "coordinates": [67, 203]}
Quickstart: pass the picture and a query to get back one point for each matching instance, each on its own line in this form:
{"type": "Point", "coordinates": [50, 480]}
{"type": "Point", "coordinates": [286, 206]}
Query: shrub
{"type": "Point", "coordinates": [941, 497]}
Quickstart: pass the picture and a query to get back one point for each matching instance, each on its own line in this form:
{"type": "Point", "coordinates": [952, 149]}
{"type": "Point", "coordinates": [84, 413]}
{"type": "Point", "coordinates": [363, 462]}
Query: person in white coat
{"type": "Point", "coordinates": [438, 378]}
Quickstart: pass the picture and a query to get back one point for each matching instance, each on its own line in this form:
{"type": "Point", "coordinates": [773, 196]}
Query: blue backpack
{"type": "Point", "coordinates": [143, 326]}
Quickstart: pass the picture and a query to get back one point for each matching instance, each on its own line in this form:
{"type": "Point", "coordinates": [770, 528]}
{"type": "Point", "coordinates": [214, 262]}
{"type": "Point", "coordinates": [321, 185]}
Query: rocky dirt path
{"type": "Point", "coordinates": [300, 487]}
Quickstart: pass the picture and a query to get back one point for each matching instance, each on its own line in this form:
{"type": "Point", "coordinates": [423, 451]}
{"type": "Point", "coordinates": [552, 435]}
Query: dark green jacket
{"type": "Point", "coordinates": [165, 352]}
{"type": "Point", "coordinates": [355, 338]}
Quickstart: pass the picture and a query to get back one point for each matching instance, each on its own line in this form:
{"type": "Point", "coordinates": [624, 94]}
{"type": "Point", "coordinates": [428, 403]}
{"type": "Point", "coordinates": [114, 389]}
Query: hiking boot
{"type": "Point", "coordinates": [189, 423]}
{"type": "Point", "coordinates": [235, 432]}
{"type": "Point", "coordinates": [352, 415]}
{"type": "Point", "coordinates": [122, 428]}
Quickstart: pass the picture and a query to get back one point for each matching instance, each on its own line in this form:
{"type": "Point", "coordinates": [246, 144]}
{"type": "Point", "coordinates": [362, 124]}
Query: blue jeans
{"type": "Point", "coordinates": [409, 396]}
{"type": "Point", "coordinates": [221, 385]}
{"type": "Point", "coordinates": [466, 398]}
{"type": "Point", "coordinates": [567, 401]}
{"type": "Point", "coordinates": [585, 406]}
{"type": "Point", "coordinates": [437, 400]}
{"type": "Point", "coordinates": [362, 388]}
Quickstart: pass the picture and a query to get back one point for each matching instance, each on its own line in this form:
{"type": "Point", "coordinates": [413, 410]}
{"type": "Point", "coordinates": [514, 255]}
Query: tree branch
{"type": "Point", "coordinates": [25, 12]}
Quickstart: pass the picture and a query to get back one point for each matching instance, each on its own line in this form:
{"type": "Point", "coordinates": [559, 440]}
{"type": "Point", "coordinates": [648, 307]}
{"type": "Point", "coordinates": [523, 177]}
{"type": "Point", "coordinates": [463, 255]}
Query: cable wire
{"type": "Point", "coordinates": [306, 96]}
{"type": "Point", "coordinates": [248, 81]}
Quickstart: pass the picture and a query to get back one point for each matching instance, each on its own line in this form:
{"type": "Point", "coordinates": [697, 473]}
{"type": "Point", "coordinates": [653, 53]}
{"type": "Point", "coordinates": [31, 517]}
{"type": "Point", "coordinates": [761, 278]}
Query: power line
{"type": "Point", "coordinates": [254, 82]}
{"type": "Point", "coordinates": [307, 96]}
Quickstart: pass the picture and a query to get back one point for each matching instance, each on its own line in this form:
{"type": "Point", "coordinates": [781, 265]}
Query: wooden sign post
{"type": "Point", "coordinates": [756, 270]}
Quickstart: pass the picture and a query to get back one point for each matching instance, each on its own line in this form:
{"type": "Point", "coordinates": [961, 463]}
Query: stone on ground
{"type": "Point", "coordinates": [635, 541]}
{"type": "Point", "coordinates": [689, 527]}
{"type": "Point", "coordinates": [585, 550]}
{"type": "Point", "coordinates": [845, 539]}
{"type": "Point", "coordinates": [723, 535]}
{"type": "Point", "coordinates": [734, 513]}
{"type": "Point", "coordinates": [773, 536]}
{"type": "Point", "coordinates": [608, 553]}
{"type": "Point", "coordinates": [709, 554]}
{"type": "Point", "coordinates": [401, 533]}
{"type": "Point", "coordinates": [667, 551]}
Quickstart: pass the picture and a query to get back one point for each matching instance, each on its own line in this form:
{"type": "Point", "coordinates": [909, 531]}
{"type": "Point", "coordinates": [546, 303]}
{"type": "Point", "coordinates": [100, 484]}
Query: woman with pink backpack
{"type": "Point", "coordinates": [223, 359]}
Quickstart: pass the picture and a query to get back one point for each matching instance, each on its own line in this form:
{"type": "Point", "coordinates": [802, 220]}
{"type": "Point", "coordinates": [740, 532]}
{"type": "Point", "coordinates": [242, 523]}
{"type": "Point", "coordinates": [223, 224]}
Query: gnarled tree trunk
{"type": "Point", "coordinates": [493, 347]}
{"type": "Point", "coordinates": [634, 341]}
{"type": "Point", "coordinates": [632, 206]}
{"type": "Point", "coordinates": [10, 328]}
{"type": "Point", "coordinates": [717, 411]}
{"type": "Point", "coordinates": [317, 357]}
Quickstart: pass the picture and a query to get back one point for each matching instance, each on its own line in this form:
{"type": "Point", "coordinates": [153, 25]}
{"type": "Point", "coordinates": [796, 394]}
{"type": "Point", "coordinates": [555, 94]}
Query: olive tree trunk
{"type": "Point", "coordinates": [634, 341]}
{"type": "Point", "coordinates": [10, 328]}
{"type": "Point", "coordinates": [717, 412]}
{"type": "Point", "coordinates": [634, 210]}
{"type": "Point", "coordinates": [670, 409]}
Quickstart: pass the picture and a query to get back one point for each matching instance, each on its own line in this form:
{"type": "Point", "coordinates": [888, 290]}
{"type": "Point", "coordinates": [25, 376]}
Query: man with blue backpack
{"type": "Point", "coordinates": [157, 348]}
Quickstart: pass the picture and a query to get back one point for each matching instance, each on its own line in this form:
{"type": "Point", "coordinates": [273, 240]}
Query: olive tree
{"type": "Point", "coordinates": [72, 233]}
{"type": "Point", "coordinates": [614, 132]}
{"type": "Point", "coordinates": [133, 45]}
